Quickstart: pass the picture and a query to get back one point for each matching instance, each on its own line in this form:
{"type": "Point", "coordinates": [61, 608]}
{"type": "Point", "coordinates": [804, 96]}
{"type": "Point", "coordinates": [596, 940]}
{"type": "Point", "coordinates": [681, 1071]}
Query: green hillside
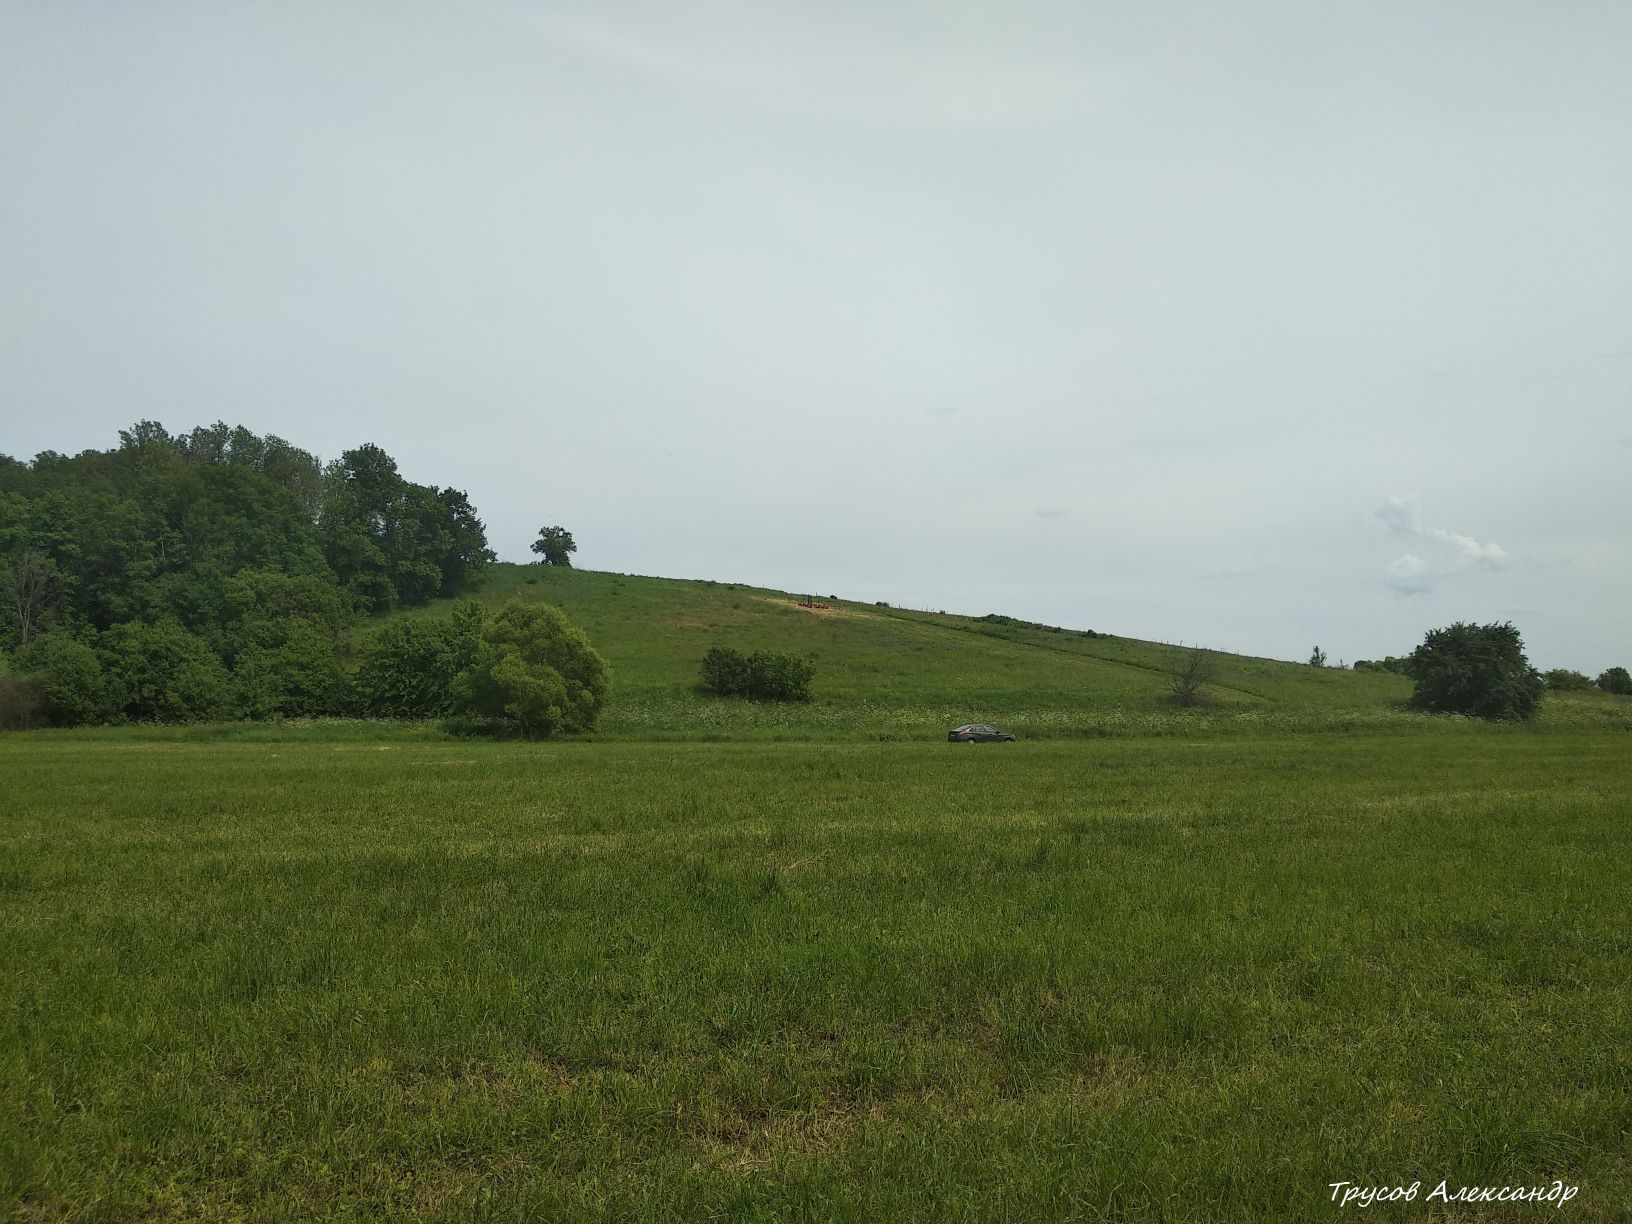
{"type": "Point", "coordinates": [883, 672]}
{"type": "Point", "coordinates": [883, 668]}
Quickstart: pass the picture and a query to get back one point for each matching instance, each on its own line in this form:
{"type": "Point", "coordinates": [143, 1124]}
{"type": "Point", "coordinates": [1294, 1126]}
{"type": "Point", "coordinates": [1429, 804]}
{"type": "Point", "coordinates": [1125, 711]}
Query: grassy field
{"type": "Point", "coordinates": [890, 673]}
{"type": "Point", "coordinates": [383, 974]}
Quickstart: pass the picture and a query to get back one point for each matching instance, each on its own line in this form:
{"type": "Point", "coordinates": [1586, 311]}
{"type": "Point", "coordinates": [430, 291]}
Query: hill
{"type": "Point", "coordinates": [888, 669]}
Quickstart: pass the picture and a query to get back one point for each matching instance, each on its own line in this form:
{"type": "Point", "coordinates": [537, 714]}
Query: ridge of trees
{"type": "Point", "coordinates": [214, 573]}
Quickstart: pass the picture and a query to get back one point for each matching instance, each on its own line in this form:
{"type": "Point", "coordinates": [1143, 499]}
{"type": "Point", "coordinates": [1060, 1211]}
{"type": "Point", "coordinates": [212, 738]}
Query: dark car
{"type": "Point", "coordinates": [977, 733]}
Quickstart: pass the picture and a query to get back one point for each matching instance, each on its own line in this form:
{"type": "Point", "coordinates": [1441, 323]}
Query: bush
{"type": "Point", "coordinates": [779, 676]}
{"type": "Point", "coordinates": [1395, 664]}
{"type": "Point", "coordinates": [765, 675]}
{"type": "Point", "coordinates": [162, 673]}
{"type": "Point", "coordinates": [1616, 680]}
{"type": "Point", "coordinates": [1479, 670]}
{"type": "Point", "coordinates": [1188, 674]}
{"type": "Point", "coordinates": [70, 680]}
{"type": "Point", "coordinates": [725, 672]}
{"type": "Point", "coordinates": [535, 671]}
{"type": "Point", "coordinates": [297, 676]}
{"type": "Point", "coordinates": [22, 704]}
{"type": "Point", "coordinates": [408, 668]}
{"type": "Point", "coordinates": [1563, 680]}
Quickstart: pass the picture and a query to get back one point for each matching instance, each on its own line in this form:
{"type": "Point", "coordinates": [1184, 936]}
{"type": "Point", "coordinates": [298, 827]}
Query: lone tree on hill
{"type": "Point", "coordinates": [1188, 674]}
{"type": "Point", "coordinates": [1317, 658]}
{"type": "Point", "coordinates": [1476, 669]}
{"type": "Point", "coordinates": [554, 546]}
{"type": "Point", "coordinates": [1616, 680]}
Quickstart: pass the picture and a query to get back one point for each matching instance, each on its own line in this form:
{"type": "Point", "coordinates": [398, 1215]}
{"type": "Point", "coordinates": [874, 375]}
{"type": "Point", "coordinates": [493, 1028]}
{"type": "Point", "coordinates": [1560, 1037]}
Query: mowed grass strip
{"type": "Point", "coordinates": [1116, 979]}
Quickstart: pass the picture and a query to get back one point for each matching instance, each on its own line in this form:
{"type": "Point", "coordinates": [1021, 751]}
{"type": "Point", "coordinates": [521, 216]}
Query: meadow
{"type": "Point", "coordinates": [373, 972]}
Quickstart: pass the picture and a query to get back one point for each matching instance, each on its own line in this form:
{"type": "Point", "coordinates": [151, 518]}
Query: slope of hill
{"type": "Point", "coordinates": [883, 671]}
{"type": "Point", "coordinates": [886, 667]}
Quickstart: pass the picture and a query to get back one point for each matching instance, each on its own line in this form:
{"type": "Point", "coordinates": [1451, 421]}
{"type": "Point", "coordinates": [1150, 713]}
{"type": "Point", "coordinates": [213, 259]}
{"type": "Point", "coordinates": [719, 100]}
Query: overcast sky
{"type": "Point", "coordinates": [1258, 325]}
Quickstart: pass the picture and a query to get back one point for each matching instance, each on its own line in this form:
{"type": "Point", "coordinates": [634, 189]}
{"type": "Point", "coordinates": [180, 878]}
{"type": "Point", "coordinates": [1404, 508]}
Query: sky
{"type": "Point", "coordinates": [1258, 326]}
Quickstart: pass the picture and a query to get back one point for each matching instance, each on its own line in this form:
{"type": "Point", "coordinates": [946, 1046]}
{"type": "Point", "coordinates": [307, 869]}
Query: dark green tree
{"type": "Point", "coordinates": [394, 542]}
{"type": "Point", "coordinates": [1479, 670]}
{"type": "Point", "coordinates": [69, 675]}
{"type": "Point", "coordinates": [764, 675]}
{"type": "Point", "coordinates": [162, 673]}
{"type": "Point", "coordinates": [407, 669]}
{"type": "Point", "coordinates": [535, 671]}
{"type": "Point", "coordinates": [725, 672]}
{"type": "Point", "coordinates": [1563, 680]}
{"type": "Point", "coordinates": [1616, 680]}
{"type": "Point", "coordinates": [554, 546]}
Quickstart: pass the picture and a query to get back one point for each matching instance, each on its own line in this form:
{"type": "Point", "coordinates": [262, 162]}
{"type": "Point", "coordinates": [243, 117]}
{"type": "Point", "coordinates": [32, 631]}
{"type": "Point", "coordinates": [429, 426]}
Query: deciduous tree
{"type": "Point", "coordinates": [534, 670]}
{"type": "Point", "coordinates": [554, 546]}
{"type": "Point", "coordinates": [1480, 670]}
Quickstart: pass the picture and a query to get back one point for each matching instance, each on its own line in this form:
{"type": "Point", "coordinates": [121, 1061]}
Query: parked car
{"type": "Point", "coordinates": [977, 733]}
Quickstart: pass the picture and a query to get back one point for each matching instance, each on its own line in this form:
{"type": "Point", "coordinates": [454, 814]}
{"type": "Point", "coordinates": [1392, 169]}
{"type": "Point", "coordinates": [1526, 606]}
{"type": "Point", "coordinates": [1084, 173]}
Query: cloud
{"type": "Point", "coordinates": [1401, 515]}
{"type": "Point", "coordinates": [1408, 566]}
{"type": "Point", "coordinates": [1051, 512]}
{"type": "Point", "coordinates": [1405, 574]}
{"type": "Point", "coordinates": [1410, 574]}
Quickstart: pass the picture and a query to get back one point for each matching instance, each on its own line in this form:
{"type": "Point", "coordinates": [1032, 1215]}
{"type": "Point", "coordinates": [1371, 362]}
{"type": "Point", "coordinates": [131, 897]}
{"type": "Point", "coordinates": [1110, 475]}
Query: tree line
{"type": "Point", "coordinates": [214, 573]}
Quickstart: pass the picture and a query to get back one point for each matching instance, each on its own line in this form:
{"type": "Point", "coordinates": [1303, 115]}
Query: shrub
{"type": "Point", "coordinates": [163, 673]}
{"type": "Point", "coordinates": [776, 675]}
{"type": "Point", "coordinates": [297, 676]}
{"type": "Point", "coordinates": [1188, 674]}
{"type": "Point", "coordinates": [1563, 680]}
{"type": "Point", "coordinates": [1395, 664]}
{"type": "Point", "coordinates": [1478, 670]}
{"type": "Point", "coordinates": [725, 672]}
{"type": "Point", "coordinates": [408, 668]}
{"type": "Point", "coordinates": [1616, 680]}
{"type": "Point", "coordinates": [73, 689]}
{"type": "Point", "coordinates": [534, 670]}
{"type": "Point", "coordinates": [22, 704]}
{"type": "Point", "coordinates": [765, 675]}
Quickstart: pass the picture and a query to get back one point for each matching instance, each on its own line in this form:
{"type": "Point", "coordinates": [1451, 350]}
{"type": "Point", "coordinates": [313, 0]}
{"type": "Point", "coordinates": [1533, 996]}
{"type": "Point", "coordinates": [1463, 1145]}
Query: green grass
{"type": "Point", "coordinates": [889, 673]}
{"type": "Point", "coordinates": [1138, 978]}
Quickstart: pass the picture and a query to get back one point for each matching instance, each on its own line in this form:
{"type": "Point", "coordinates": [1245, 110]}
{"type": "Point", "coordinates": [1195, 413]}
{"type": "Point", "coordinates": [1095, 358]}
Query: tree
{"type": "Point", "coordinates": [69, 676]}
{"type": "Point", "coordinates": [294, 672]}
{"type": "Point", "coordinates": [28, 581]}
{"type": "Point", "coordinates": [1317, 658]}
{"type": "Point", "coordinates": [162, 673]}
{"type": "Point", "coordinates": [533, 670]}
{"type": "Point", "coordinates": [1189, 674]}
{"type": "Point", "coordinates": [1616, 680]}
{"type": "Point", "coordinates": [1480, 670]}
{"type": "Point", "coordinates": [409, 667]}
{"type": "Point", "coordinates": [1563, 680]}
{"type": "Point", "coordinates": [554, 546]}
